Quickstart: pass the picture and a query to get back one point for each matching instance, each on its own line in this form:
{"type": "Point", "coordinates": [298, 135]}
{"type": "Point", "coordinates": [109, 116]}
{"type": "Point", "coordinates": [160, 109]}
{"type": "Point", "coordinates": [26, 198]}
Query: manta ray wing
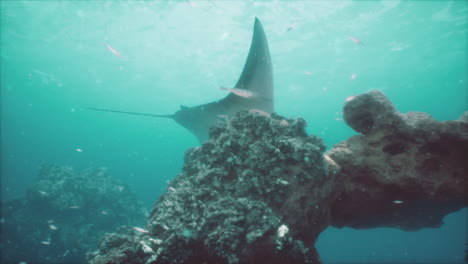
{"type": "Point", "coordinates": [257, 77]}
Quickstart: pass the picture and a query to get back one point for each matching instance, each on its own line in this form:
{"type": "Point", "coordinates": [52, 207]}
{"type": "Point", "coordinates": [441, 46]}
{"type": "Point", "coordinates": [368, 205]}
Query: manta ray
{"type": "Point", "coordinates": [256, 78]}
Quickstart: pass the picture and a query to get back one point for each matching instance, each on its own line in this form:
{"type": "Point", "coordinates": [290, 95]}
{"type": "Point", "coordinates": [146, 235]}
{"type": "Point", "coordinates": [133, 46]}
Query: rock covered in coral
{"type": "Point", "coordinates": [63, 215]}
{"type": "Point", "coordinates": [405, 171]}
{"type": "Point", "coordinates": [241, 198]}
{"type": "Point", "coordinates": [260, 190]}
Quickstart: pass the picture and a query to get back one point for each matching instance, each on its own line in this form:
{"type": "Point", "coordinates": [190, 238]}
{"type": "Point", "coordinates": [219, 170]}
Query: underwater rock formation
{"type": "Point", "coordinates": [239, 199]}
{"type": "Point", "coordinates": [406, 171]}
{"type": "Point", "coordinates": [260, 190]}
{"type": "Point", "coordinates": [63, 215]}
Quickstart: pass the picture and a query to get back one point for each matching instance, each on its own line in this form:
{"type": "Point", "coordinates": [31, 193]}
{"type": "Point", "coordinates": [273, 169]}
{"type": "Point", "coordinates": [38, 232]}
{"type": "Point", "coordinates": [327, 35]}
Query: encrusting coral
{"type": "Point", "coordinates": [260, 190]}
{"type": "Point", "coordinates": [63, 215]}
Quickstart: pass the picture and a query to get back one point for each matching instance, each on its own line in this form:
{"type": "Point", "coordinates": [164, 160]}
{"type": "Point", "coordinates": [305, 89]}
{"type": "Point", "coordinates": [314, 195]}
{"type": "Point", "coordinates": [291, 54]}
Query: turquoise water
{"type": "Point", "coordinates": [55, 63]}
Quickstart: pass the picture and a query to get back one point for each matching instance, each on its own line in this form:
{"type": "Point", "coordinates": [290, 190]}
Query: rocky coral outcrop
{"type": "Point", "coordinates": [240, 198]}
{"type": "Point", "coordinates": [260, 189]}
{"type": "Point", "coordinates": [405, 171]}
{"type": "Point", "coordinates": [63, 215]}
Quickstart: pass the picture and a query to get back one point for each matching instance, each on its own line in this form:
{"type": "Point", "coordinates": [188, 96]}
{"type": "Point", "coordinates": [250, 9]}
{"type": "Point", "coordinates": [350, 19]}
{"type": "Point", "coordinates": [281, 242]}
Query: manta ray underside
{"type": "Point", "coordinates": [256, 77]}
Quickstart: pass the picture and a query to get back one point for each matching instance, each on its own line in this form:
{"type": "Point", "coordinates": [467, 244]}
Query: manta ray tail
{"type": "Point", "coordinates": [130, 113]}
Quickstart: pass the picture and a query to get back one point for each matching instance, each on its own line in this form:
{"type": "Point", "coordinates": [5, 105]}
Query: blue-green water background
{"type": "Point", "coordinates": [54, 63]}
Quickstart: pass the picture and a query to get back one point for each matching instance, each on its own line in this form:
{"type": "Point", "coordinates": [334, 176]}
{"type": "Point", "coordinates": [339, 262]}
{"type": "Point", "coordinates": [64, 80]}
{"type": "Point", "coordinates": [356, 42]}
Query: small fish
{"type": "Point", "coordinates": [42, 193]}
{"type": "Point", "coordinates": [293, 25]}
{"type": "Point", "coordinates": [45, 242]}
{"type": "Point", "coordinates": [104, 213]}
{"type": "Point", "coordinates": [139, 229]}
{"type": "Point", "coordinates": [283, 182]}
{"type": "Point", "coordinates": [355, 40]}
{"type": "Point", "coordinates": [398, 202]}
{"type": "Point", "coordinates": [237, 91]}
{"type": "Point", "coordinates": [74, 207]}
{"type": "Point", "coordinates": [79, 150]}
{"type": "Point", "coordinates": [116, 53]}
{"type": "Point", "coordinates": [258, 111]}
{"type": "Point", "coordinates": [331, 162]}
{"type": "Point", "coordinates": [172, 189]}
{"type": "Point", "coordinates": [350, 98]}
{"type": "Point", "coordinates": [53, 227]}
{"type": "Point", "coordinates": [308, 73]}
{"type": "Point", "coordinates": [353, 76]}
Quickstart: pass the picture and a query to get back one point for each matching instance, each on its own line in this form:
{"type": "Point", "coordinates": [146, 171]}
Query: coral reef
{"type": "Point", "coordinates": [63, 215]}
{"type": "Point", "coordinates": [260, 190]}
{"type": "Point", "coordinates": [233, 200]}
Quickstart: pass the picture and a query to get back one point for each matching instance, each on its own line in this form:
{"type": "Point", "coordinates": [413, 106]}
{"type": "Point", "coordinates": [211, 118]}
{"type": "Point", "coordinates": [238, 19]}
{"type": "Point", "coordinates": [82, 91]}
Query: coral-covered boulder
{"type": "Point", "coordinates": [260, 189]}
{"type": "Point", "coordinates": [405, 171]}
{"type": "Point", "coordinates": [248, 195]}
